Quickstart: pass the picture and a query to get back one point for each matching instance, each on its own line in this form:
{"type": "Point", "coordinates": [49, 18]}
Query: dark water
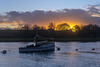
{"type": "Point", "coordinates": [66, 57]}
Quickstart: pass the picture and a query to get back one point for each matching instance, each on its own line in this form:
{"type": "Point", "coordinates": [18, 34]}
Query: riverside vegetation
{"type": "Point", "coordinates": [61, 32]}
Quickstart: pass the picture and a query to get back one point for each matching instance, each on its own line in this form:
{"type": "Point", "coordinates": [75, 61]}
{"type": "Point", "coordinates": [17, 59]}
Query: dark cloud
{"type": "Point", "coordinates": [41, 17]}
{"type": "Point", "coordinates": [94, 9]}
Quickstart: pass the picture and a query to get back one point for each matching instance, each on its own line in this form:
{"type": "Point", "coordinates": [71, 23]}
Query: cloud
{"type": "Point", "coordinates": [94, 10]}
{"type": "Point", "coordinates": [43, 18]}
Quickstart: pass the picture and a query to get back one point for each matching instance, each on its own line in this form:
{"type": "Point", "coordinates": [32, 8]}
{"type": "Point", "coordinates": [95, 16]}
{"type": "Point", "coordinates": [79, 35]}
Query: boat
{"type": "Point", "coordinates": [38, 46]}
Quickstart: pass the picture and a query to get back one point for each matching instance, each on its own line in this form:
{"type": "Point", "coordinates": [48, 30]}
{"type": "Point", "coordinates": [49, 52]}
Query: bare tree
{"type": "Point", "coordinates": [26, 27]}
{"type": "Point", "coordinates": [51, 26]}
{"type": "Point", "coordinates": [35, 27]}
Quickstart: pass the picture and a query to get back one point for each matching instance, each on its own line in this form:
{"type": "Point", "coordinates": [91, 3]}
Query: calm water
{"type": "Point", "coordinates": [66, 57]}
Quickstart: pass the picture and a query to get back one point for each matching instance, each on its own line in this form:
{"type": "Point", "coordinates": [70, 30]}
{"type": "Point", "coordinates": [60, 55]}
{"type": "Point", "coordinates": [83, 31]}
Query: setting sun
{"type": "Point", "coordinates": [71, 26]}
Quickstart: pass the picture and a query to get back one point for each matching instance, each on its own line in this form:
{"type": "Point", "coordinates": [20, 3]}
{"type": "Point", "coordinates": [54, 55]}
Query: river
{"type": "Point", "coordinates": [66, 57]}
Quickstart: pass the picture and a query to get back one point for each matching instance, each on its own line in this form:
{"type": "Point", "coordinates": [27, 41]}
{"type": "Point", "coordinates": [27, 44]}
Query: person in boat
{"type": "Point", "coordinates": [35, 40]}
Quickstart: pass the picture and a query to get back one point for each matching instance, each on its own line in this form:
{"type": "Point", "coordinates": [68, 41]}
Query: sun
{"type": "Point", "coordinates": [71, 26]}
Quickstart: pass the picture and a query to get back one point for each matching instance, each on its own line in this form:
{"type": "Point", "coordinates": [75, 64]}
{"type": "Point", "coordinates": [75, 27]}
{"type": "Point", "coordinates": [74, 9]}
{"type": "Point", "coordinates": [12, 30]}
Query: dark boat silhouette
{"type": "Point", "coordinates": [38, 46]}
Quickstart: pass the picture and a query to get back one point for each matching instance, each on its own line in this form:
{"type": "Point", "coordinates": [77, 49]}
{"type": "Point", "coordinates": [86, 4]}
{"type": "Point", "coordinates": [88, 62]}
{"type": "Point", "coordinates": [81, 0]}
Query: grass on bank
{"type": "Point", "coordinates": [55, 39]}
{"type": "Point", "coordinates": [77, 39]}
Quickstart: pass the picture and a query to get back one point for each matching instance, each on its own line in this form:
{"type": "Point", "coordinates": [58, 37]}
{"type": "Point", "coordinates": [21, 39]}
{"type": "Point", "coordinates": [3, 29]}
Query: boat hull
{"type": "Point", "coordinates": [46, 47]}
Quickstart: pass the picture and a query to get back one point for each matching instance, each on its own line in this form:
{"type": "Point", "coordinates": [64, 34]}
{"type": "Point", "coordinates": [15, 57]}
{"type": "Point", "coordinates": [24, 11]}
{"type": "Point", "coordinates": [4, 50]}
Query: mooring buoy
{"type": "Point", "coordinates": [76, 49]}
{"type": "Point", "coordinates": [93, 49]}
{"type": "Point", "coordinates": [58, 48]}
{"type": "Point", "coordinates": [4, 51]}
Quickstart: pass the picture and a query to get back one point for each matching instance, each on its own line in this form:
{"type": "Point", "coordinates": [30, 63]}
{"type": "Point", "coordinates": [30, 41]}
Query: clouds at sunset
{"type": "Point", "coordinates": [43, 18]}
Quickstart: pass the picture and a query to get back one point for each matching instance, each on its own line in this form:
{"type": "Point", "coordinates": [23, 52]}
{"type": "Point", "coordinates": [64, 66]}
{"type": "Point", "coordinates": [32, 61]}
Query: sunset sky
{"type": "Point", "coordinates": [42, 12]}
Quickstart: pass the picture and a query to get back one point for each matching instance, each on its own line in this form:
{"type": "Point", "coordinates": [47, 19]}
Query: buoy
{"type": "Point", "coordinates": [4, 51]}
{"type": "Point", "coordinates": [76, 49]}
{"type": "Point", "coordinates": [93, 49]}
{"type": "Point", "coordinates": [58, 48]}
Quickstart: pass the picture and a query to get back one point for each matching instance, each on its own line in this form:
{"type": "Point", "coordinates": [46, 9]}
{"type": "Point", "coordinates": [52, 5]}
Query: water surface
{"type": "Point", "coordinates": [66, 57]}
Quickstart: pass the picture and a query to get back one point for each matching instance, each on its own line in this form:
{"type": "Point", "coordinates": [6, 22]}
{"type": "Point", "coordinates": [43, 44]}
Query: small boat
{"type": "Point", "coordinates": [38, 46]}
{"type": "Point", "coordinates": [49, 46]}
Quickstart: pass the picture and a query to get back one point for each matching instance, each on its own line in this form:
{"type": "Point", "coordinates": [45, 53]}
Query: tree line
{"type": "Point", "coordinates": [60, 31]}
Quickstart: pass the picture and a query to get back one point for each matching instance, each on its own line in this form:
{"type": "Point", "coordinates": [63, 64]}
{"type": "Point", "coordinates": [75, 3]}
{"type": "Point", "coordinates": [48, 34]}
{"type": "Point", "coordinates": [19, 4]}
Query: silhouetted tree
{"type": "Point", "coordinates": [42, 28]}
{"type": "Point", "coordinates": [26, 27]}
{"type": "Point", "coordinates": [63, 26]}
{"type": "Point", "coordinates": [63, 31]}
{"type": "Point", "coordinates": [51, 26]}
{"type": "Point", "coordinates": [76, 28]}
{"type": "Point", "coordinates": [35, 27]}
{"type": "Point", "coordinates": [91, 30]}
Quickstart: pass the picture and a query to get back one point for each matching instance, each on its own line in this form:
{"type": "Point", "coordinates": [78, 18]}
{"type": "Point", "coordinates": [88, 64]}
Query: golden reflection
{"type": "Point", "coordinates": [74, 53]}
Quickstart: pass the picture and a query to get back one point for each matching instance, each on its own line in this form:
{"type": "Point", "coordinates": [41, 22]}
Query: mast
{"type": "Point", "coordinates": [35, 38]}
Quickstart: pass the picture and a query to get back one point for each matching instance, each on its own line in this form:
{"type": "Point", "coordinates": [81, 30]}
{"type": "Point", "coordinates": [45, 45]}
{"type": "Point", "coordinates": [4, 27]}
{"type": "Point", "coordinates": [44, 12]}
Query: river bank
{"type": "Point", "coordinates": [55, 39]}
{"type": "Point", "coordinates": [76, 39]}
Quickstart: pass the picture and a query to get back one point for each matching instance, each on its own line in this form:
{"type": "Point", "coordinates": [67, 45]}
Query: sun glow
{"type": "Point", "coordinates": [71, 26]}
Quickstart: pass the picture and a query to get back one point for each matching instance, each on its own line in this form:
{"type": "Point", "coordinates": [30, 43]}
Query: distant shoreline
{"type": "Point", "coordinates": [77, 39]}
{"type": "Point", "coordinates": [55, 39]}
